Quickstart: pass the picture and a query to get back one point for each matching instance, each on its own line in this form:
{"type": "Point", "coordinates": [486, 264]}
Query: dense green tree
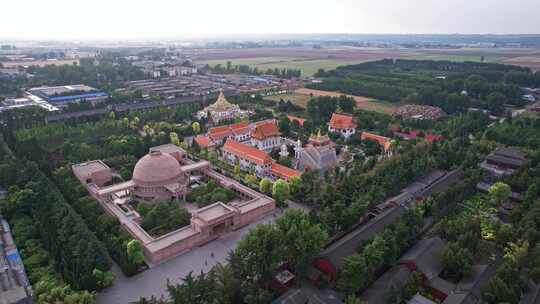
{"type": "Point", "coordinates": [457, 260]}
{"type": "Point", "coordinates": [196, 127]}
{"type": "Point", "coordinates": [499, 192]}
{"type": "Point", "coordinates": [258, 254]}
{"type": "Point", "coordinates": [280, 191]}
{"type": "Point", "coordinates": [265, 186]}
{"type": "Point", "coordinates": [134, 252]}
{"type": "Point", "coordinates": [301, 240]}
{"type": "Point", "coordinates": [495, 102]}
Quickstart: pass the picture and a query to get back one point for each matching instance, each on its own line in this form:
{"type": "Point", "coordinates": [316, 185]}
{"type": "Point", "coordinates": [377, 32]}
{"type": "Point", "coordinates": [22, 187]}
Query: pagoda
{"type": "Point", "coordinates": [221, 110]}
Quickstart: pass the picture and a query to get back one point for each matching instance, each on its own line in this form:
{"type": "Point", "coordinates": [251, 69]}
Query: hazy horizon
{"type": "Point", "coordinates": [136, 20]}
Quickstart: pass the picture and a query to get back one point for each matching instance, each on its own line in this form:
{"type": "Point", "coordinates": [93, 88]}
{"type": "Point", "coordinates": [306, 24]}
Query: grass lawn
{"type": "Point", "coordinates": [308, 66]}
{"type": "Point", "coordinates": [362, 103]}
{"type": "Point", "coordinates": [301, 97]}
{"type": "Point", "coordinates": [300, 100]}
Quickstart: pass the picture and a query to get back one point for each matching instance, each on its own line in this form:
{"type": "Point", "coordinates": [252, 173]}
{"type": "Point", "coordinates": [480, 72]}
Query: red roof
{"type": "Point", "coordinates": [284, 172]}
{"type": "Point", "coordinates": [412, 134]}
{"type": "Point", "coordinates": [433, 137]}
{"type": "Point", "coordinates": [300, 121]}
{"type": "Point", "coordinates": [203, 141]}
{"type": "Point", "coordinates": [385, 142]}
{"type": "Point", "coordinates": [342, 121]}
{"type": "Point", "coordinates": [240, 127]}
{"type": "Point", "coordinates": [247, 152]}
{"type": "Point", "coordinates": [265, 130]}
{"type": "Point", "coordinates": [218, 133]}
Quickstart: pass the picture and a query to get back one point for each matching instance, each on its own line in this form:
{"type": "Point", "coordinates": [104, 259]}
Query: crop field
{"type": "Point", "coordinates": [309, 60]}
{"type": "Point", "coordinates": [306, 65]}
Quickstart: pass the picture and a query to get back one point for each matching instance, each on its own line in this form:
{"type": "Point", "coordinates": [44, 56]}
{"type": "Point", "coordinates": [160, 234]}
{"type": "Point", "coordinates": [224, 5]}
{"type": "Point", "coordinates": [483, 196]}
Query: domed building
{"type": "Point", "coordinates": [159, 176]}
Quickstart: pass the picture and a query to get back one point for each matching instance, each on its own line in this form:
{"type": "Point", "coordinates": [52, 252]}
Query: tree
{"type": "Point", "coordinates": [258, 254]}
{"type": "Point", "coordinates": [457, 260]}
{"type": "Point", "coordinates": [346, 103]}
{"type": "Point", "coordinates": [212, 156]}
{"type": "Point", "coordinates": [355, 273]}
{"type": "Point", "coordinates": [134, 252]}
{"type": "Point", "coordinates": [281, 191]}
{"type": "Point", "coordinates": [295, 183]}
{"type": "Point", "coordinates": [104, 278]}
{"type": "Point", "coordinates": [196, 127]}
{"type": "Point", "coordinates": [250, 179]}
{"type": "Point", "coordinates": [495, 102]}
{"type": "Point", "coordinates": [174, 138]}
{"type": "Point", "coordinates": [284, 125]}
{"type": "Point", "coordinates": [499, 192]}
{"type": "Point", "coordinates": [265, 185]}
{"type": "Point", "coordinates": [225, 284]}
{"type": "Point", "coordinates": [301, 239]}
{"type": "Point", "coordinates": [498, 291]}
{"type": "Point", "coordinates": [285, 161]}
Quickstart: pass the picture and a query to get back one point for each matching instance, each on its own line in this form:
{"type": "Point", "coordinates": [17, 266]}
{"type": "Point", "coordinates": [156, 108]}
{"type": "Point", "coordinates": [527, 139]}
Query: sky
{"type": "Point", "coordinates": [144, 19]}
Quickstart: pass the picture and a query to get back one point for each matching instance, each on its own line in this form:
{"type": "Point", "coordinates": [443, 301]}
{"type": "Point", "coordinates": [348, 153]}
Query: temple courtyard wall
{"type": "Point", "coordinates": [207, 223]}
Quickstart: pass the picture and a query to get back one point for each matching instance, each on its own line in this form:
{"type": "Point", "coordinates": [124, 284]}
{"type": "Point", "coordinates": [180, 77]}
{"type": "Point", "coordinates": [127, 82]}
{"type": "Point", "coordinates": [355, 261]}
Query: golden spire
{"type": "Point", "coordinates": [319, 133]}
{"type": "Point", "coordinates": [221, 101]}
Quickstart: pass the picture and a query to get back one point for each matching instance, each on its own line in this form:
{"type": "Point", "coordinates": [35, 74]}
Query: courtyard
{"type": "Point", "coordinates": [154, 280]}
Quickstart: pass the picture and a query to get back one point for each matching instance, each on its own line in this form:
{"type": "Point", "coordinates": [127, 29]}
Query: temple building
{"type": "Point", "coordinates": [318, 154]}
{"type": "Point", "coordinates": [251, 159]}
{"type": "Point", "coordinates": [266, 136]}
{"type": "Point", "coordinates": [237, 131]}
{"type": "Point", "coordinates": [285, 173]}
{"type": "Point", "coordinates": [344, 124]}
{"type": "Point", "coordinates": [384, 142]}
{"type": "Point", "coordinates": [164, 174]}
{"type": "Point", "coordinates": [221, 110]}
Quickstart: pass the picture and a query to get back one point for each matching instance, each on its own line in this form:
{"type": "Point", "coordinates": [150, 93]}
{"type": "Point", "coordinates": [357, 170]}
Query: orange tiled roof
{"type": "Point", "coordinates": [284, 172]}
{"type": "Point", "coordinates": [298, 119]}
{"type": "Point", "coordinates": [218, 133]}
{"type": "Point", "coordinates": [385, 142]}
{"type": "Point", "coordinates": [264, 130]}
{"type": "Point", "coordinates": [203, 141]}
{"type": "Point", "coordinates": [342, 121]}
{"type": "Point", "coordinates": [247, 152]}
{"type": "Point", "coordinates": [241, 127]}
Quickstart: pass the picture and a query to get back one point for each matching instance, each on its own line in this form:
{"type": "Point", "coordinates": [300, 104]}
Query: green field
{"type": "Point", "coordinates": [300, 100]}
{"type": "Point", "coordinates": [309, 62]}
{"type": "Point", "coordinates": [306, 65]}
{"type": "Point", "coordinates": [459, 58]}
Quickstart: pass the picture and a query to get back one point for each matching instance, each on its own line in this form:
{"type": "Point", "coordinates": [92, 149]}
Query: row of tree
{"type": "Point", "coordinates": [78, 256]}
{"type": "Point", "coordinates": [246, 69]}
{"type": "Point", "coordinates": [360, 269]}
{"type": "Point", "coordinates": [107, 229]}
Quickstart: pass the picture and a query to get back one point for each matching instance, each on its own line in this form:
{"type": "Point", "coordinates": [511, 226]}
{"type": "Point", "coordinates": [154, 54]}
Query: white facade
{"type": "Point", "coordinates": [346, 133]}
{"type": "Point", "coordinates": [245, 165]}
{"type": "Point", "coordinates": [267, 144]}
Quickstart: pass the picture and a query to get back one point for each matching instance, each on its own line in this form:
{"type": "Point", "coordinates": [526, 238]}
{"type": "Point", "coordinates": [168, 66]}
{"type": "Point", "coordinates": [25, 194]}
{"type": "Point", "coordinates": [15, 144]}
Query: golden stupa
{"type": "Point", "coordinates": [221, 109]}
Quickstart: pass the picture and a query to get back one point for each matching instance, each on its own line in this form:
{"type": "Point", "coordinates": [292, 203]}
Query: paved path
{"type": "Point", "coordinates": [154, 280]}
